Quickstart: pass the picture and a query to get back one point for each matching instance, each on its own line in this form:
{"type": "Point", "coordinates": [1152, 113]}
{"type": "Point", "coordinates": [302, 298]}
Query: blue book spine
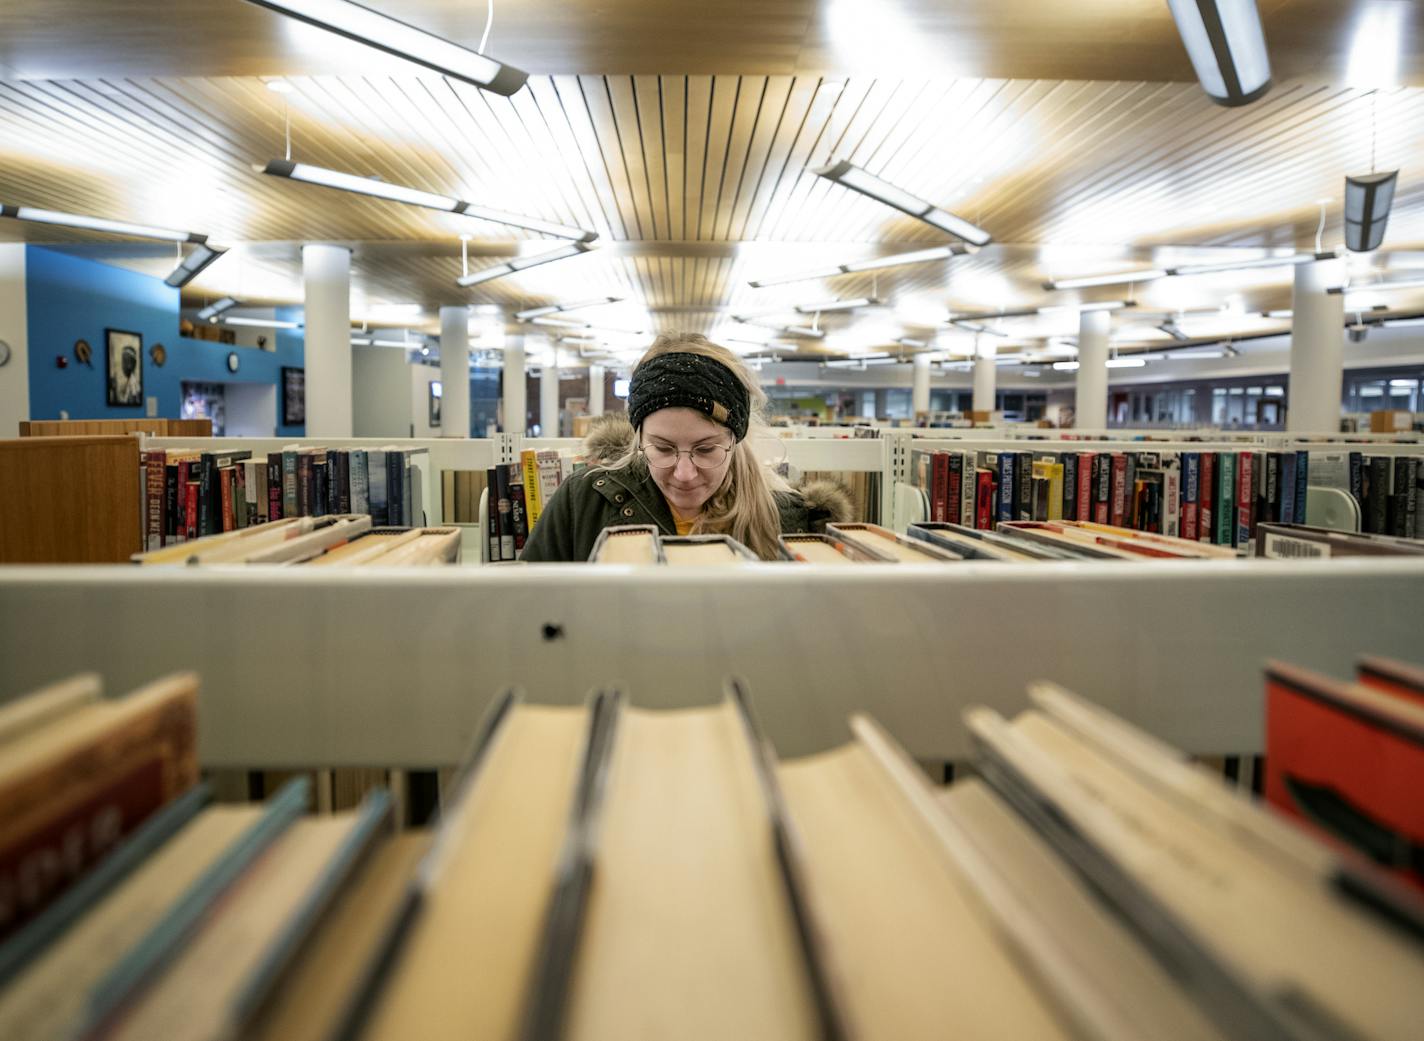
{"type": "Point", "coordinates": [1006, 486]}
{"type": "Point", "coordinates": [1287, 479]}
{"type": "Point", "coordinates": [1302, 485]}
{"type": "Point", "coordinates": [360, 489]}
{"type": "Point", "coordinates": [376, 475]}
{"type": "Point", "coordinates": [395, 489]}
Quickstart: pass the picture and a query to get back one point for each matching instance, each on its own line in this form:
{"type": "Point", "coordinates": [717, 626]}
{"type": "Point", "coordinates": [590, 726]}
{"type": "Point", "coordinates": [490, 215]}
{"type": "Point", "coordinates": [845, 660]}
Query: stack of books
{"type": "Point", "coordinates": [518, 493]}
{"type": "Point", "coordinates": [342, 540]}
{"type": "Point", "coordinates": [644, 544]}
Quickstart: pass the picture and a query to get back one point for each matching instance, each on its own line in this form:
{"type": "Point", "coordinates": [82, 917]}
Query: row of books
{"type": "Point", "coordinates": [518, 492]}
{"type": "Point", "coordinates": [1213, 497]}
{"type": "Point", "coordinates": [334, 540]}
{"type": "Point", "coordinates": [605, 871]}
{"type": "Point", "coordinates": [191, 494]}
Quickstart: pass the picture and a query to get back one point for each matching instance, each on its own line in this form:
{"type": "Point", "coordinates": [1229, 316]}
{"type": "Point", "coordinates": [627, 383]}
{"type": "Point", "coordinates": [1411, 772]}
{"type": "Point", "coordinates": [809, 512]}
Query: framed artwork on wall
{"type": "Point", "coordinates": [125, 366]}
{"type": "Point", "coordinates": [294, 397]}
{"type": "Point", "coordinates": [435, 393]}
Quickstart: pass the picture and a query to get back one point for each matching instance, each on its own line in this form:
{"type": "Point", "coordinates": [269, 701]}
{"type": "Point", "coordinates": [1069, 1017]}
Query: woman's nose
{"type": "Point", "coordinates": [684, 471]}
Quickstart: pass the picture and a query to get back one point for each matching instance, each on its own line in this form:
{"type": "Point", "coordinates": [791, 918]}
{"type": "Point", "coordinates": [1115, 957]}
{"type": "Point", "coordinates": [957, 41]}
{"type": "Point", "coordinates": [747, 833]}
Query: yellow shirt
{"type": "Point", "coordinates": [684, 527]}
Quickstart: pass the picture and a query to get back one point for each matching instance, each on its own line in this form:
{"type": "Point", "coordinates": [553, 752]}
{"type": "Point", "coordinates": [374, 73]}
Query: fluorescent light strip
{"type": "Point", "coordinates": [1372, 287]}
{"type": "Point", "coordinates": [1094, 281]}
{"type": "Point", "coordinates": [509, 267]}
{"type": "Point", "coordinates": [968, 319]}
{"type": "Point", "coordinates": [404, 41]}
{"type": "Point", "coordinates": [201, 257]}
{"type": "Point", "coordinates": [559, 323]}
{"type": "Point", "coordinates": [1125, 363]}
{"type": "Point", "coordinates": [538, 312]}
{"type": "Point", "coordinates": [1065, 366]}
{"type": "Point", "coordinates": [853, 177]}
{"type": "Point", "coordinates": [322, 177]}
{"type": "Point", "coordinates": [804, 330]}
{"type": "Point", "coordinates": [1152, 274]}
{"type": "Point", "coordinates": [211, 312]}
{"type": "Point", "coordinates": [919, 256]}
{"type": "Point", "coordinates": [113, 227]}
{"type": "Point", "coordinates": [261, 323]}
{"type": "Point", "coordinates": [836, 305]}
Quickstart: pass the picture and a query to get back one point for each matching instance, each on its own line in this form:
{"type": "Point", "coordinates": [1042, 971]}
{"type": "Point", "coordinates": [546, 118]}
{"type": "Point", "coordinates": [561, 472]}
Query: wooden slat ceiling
{"type": "Point", "coordinates": [696, 183]}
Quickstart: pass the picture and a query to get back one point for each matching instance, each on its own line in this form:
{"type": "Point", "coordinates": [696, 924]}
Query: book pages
{"type": "Point", "coordinates": [37, 709]}
{"type": "Point", "coordinates": [689, 933]}
{"type": "Point", "coordinates": [634, 547]}
{"type": "Point", "coordinates": [693, 554]}
{"type": "Point", "coordinates": [360, 551]}
{"type": "Point", "coordinates": [918, 959]}
{"type": "Point", "coordinates": [462, 973]}
{"type": "Point", "coordinates": [193, 1000]}
{"type": "Point", "coordinates": [328, 973]}
{"type": "Point", "coordinates": [50, 998]}
{"type": "Point", "coordinates": [1266, 926]}
{"type": "Point", "coordinates": [814, 551]}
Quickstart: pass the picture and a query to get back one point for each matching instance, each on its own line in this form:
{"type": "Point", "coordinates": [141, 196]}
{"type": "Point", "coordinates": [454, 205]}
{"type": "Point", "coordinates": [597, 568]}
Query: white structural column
{"type": "Point", "coordinates": [986, 371]}
{"type": "Point", "coordinates": [595, 390]}
{"type": "Point", "coordinates": [549, 395]}
{"type": "Point", "coordinates": [455, 371]}
{"type": "Point", "coordinates": [1317, 352]}
{"type": "Point", "coordinates": [920, 389]}
{"type": "Point", "coordinates": [326, 271]}
{"type": "Point", "coordinates": [14, 331]}
{"type": "Point", "coordinates": [514, 390]}
{"type": "Point", "coordinates": [1090, 407]}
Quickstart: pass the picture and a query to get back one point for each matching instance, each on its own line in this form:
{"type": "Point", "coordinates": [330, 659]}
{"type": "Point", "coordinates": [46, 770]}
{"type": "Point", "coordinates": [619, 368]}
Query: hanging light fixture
{"type": "Point", "coordinates": [1226, 46]}
{"type": "Point", "coordinates": [404, 41]}
{"type": "Point", "coordinates": [211, 312]}
{"type": "Point", "coordinates": [848, 175]}
{"type": "Point", "coordinates": [1368, 197]}
{"type": "Point", "coordinates": [194, 264]}
{"type": "Point", "coordinates": [919, 256]}
{"type": "Point", "coordinates": [509, 267]}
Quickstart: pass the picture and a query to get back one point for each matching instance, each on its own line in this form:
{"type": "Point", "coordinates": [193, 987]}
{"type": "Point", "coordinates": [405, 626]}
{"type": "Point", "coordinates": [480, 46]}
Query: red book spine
{"type": "Point", "coordinates": [984, 500]}
{"type": "Point", "coordinates": [1085, 486]}
{"type": "Point", "coordinates": [154, 464]}
{"type": "Point", "coordinates": [190, 510]}
{"type": "Point", "coordinates": [939, 486]}
{"type": "Point", "coordinates": [956, 491]}
{"type": "Point", "coordinates": [1118, 495]}
{"type": "Point", "coordinates": [1206, 485]}
{"type": "Point", "coordinates": [1245, 497]}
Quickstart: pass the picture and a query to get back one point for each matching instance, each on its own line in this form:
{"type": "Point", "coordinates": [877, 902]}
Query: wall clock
{"type": "Point", "coordinates": [4, 352]}
{"type": "Point", "coordinates": [232, 361]}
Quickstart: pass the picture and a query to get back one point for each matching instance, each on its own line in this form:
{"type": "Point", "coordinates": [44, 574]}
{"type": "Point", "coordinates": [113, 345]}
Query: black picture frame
{"type": "Point", "coordinates": [294, 397]}
{"type": "Point", "coordinates": [125, 389]}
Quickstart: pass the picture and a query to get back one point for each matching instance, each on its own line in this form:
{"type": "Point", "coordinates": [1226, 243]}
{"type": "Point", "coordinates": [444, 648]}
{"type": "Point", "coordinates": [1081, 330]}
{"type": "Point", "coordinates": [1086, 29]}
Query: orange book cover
{"type": "Point", "coordinates": [1348, 765]}
{"type": "Point", "coordinates": [72, 792]}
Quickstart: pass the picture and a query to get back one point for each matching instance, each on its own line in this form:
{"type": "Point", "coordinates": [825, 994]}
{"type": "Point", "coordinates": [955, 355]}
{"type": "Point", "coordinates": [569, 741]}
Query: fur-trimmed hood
{"type": "Point", "coordinates": [611, 437]}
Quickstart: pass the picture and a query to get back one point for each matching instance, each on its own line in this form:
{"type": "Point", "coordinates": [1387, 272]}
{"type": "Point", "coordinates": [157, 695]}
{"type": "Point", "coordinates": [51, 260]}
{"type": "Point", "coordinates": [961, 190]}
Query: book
{"type": "Point", "coordinates": [1226, 499]}
{"type": "Point", "coordinates": [376, 477]}
{"type": "Point", "coordinates": [494, 546]}
{"type": "Point", "coordinates": [939, 486]}
{"type": "Point", "coordinates": [209, 490]}
{"type": "Point", "coordinates": [226, 491]}
{"type": "Point", "coordinates": [1171, 463]}
{"type": "Point", "coordinates": [505, 505]}
{"type": "Point", "coordinates": [529, 479]}
{"type": "Point", "coordinates": [306, 480]}
{"type": "Point", "coordinates": [154, 463]}
{"type": "Point", "coordinates": [1191, 493]}
{"type": "Point", "coordinates": [1008, 487]}
{"type": "Point", "coordinates": [515, 479]}
{"type": "Point", "coordinates": [1245, 497]}
{"type": "Point", "coordinates": [1118, 490]}
{"type": "Point", "coordinates": [984, 498]}
{"type": "Point", "coordinates": [1207, 520]}
{"type": "Point", "coordinates": [395, 488]}
{"type": "Point", "coordinates": [360, 481]}
{"type": "Point", "coordinates": [816, 549]}
{"type": "Point", "coordinates": [75, 786]}
{"type": "Point", "coordinates": [954, 488]}
{"type": "Point", "coordinates": [289, 482]}
{"type": "Point", "coordinates": [703, 550]}
{"type": "Point", "coordinates": [886, 546]}
{"type": "Point", "coordinates": [1070, 485]}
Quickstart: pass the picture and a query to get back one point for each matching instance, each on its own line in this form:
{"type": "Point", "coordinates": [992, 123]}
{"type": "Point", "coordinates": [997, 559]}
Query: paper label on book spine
{"type": "Point", "coordinates": [1284, 547]}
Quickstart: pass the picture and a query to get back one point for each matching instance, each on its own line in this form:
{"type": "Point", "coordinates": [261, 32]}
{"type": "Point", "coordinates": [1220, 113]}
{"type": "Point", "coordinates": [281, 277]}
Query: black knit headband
{"type": "Point", "coordinates": [689, 381]}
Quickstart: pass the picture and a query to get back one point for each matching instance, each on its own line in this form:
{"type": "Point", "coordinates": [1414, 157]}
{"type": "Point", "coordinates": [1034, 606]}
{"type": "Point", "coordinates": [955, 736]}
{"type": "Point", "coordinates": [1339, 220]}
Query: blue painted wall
{"type": "Point", "coordinates": [71, 298]}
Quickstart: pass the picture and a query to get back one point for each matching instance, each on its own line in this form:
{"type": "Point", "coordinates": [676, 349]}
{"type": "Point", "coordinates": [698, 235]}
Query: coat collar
{"type": "Point", "coordinates": [637, 484]}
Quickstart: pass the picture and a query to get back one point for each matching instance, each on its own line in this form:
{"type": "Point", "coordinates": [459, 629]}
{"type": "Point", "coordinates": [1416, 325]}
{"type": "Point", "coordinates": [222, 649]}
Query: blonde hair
{"type": "Point", "coordinates": [744, 505]}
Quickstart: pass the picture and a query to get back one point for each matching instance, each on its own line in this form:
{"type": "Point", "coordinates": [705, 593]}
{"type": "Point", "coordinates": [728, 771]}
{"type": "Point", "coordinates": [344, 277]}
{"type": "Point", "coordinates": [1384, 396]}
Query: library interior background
{"type": "Point", "coordinates": [1080, 695]}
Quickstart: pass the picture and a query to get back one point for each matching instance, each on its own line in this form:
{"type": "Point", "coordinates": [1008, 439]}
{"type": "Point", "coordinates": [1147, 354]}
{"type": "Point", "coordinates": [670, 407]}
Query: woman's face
{"type": "Point", "coordinates": [685, 486]}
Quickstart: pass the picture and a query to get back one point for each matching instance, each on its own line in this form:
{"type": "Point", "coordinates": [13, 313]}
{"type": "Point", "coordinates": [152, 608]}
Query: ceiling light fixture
{"type": "Point", "coordinates": [211, 312]}
{"type": "Point", "coordinates": [966, 319]}
{"type": "Point", "coordinates": [1094, 281]}
{"type": "Point", "coordinates": [539, 312]}
{"type": "Point", "coordinates": [1381, 287]}
{"type": "Point", "coordinates": [1226, 46]}
{"type": "Point", "coordinates": [509, 267]}
{"type": "Point", "coordinates": [809, 331]}
{"type": "Point", "coordinates": [1367, 201]}
{"type": "Point", "coordinates": [848, 175]}
{"type": "Point", "coordinates": [559, 323]}
{"type": "Point", "coordinates": [404, 41]}
{"type": "Point", "coordinates": [261, 323]}
{"type": "Point", "coordinates": [1173, 330]}
{"type": "Point", "coordinates": [201, 257]}
{"type": "Point", "coordinates": [1125, 363]}
{"type": "Point", "coordinates": [1124, 277]}
{"type": "Point", "coordinates": [113, 227]}
{"type": "Point", "coordinates": [919, 256]}
{"type": "Point", "coordinates": [837, 305]}
{"type": "Point", "coordinates": [1065, 366]}
{"type": "Point", "coordinates": [346, 182]}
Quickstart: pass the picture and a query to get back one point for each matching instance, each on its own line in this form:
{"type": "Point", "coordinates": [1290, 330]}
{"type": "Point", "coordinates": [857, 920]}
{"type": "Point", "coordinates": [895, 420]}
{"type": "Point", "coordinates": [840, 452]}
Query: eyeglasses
{"type": "Point", "coordinates": [704, 457]}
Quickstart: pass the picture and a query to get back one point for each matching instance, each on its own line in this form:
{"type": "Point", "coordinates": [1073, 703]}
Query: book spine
{"type": "Point", "coordinates": [289, 485]}
{"type": "Point", "coordinates": [1129, 484]}
{"type": "Point", "coordinates": [1191, 493]}
{"type": "Point", "coordinates": [191, 496]}
{"type": "Point", "coordinates": [954, 494]}
{"type": "Point", "coordinates": [533, 501]}
{"type": "Point", "coordinates": [1269, 508]}
{"type": "Point", "coordinates": [360, 482]}
{"type": "Point", "coordinates": [1023, 486]}
{"type": "Point", "coordinates": [506, 513]}
{"type": "Point", "coordinates": [321, 486]}
{"type": "Point", "coordinates": [968, 487]}
{"type": "Point", "coordinates": [939, 486]}
{"type": "Point", "coordinates": [1246, 493]}
{"type": "Point", "coordinates": [343, 481]}
{"type": "Point", "coordinates": [304, 485]}
{"type": "Point", "coordinates": [1007, 487]}
{"type": "Point", "coordinates": [1416, 488]}
{"type": "Point", "coordinates": [1357, 481]}
{"type": "Point", "coordinates": [491, 518]}
{"type": "Point", "coordinates": [274, 487]}
{"type": "Point", "coordinates": [1302, 485]}
{"type": "Point", "coordinates": [1087, 485]}
{"type": "Point", "coordinates": [172, 529]}
{"type": "Point", "coordinates": [225, 490]}
{"type": "Point", "coordinates": [984, 499]}
{"type": "Point", "coordinates": [1226, 499]}
{"type": "Point", "coordinates": [517, 507]}
{"type": "Point", "coordinates": [1070, 486]}
{"type": "Point", "coordinates": [209, 501]}
{"type": "Point", "coordinates": [1117, 477]}
{"type": "Point", "coordinates": [1287, 485]}
{"type": "Point", "coordinates": [395, 489]}
{"type": "Point", "coordinates": [1399, 500]}
{"type": "Point", "coordinates": [411, 512]}
{"type": "Point", "coordinates": [241, 516]}
{"type": "Point", "coordinates": [1206, 518]}
{"type": "Point", "coordinates": [1377, 494]}
{"type": "Point", "coordinates": [376, 485]}
{"type": "Point", "coordinates": [1169, 522]}
{"type": "Point", "coordinates": [155, 465]}
{"type": "Point", "coordinates": [1055, 488]}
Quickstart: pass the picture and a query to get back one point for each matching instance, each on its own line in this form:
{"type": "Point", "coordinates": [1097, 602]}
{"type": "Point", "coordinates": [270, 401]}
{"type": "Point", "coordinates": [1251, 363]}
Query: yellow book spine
{"type": "Point", "coordinates": [533, 500]}
{"type": "Point", "coordinates": [1055, 491]}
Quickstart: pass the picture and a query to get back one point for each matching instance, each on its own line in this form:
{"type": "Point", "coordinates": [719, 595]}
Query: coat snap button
{"type": "Point", "coordinates": [600, 482]}
{"type": "Point", "coordinates": [619, 497]}
{"type": "Point", "coordinates": [627, 511]}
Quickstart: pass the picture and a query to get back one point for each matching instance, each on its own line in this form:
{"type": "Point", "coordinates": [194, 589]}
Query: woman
{"type": "Point", "coordinates": [681, 461]}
